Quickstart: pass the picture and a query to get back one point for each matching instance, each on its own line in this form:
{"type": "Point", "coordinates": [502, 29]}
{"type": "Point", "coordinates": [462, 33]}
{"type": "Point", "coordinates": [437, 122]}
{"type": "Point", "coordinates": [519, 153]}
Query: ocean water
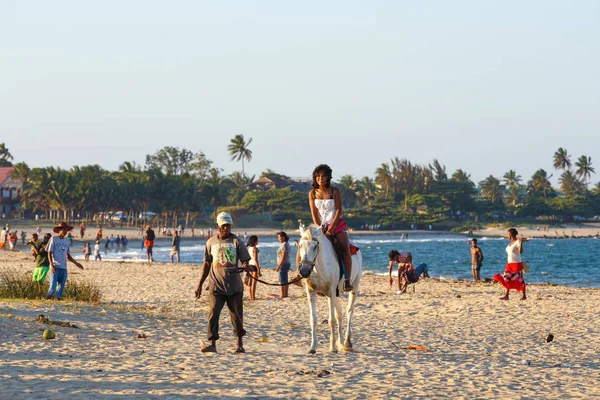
{"type": "Point", "coordinates": [572, 262]}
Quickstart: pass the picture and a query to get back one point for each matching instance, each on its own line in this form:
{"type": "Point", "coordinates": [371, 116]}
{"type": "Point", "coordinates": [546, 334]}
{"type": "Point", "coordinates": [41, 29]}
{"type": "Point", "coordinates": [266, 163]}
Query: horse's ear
{"type": "Point", "coordinates": [308, 234]}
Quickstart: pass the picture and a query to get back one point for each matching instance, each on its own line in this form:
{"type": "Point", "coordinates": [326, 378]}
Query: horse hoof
{"type": "Point", "coordinates": [348, 347]}
{"type": "Point", "coordinates": [333, 350]}
{"type": "Point", "coordinates": [311, 351]}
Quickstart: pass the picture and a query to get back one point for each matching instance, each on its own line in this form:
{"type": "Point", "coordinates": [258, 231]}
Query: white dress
{"type": "Point", "coordinates": [326, 210]}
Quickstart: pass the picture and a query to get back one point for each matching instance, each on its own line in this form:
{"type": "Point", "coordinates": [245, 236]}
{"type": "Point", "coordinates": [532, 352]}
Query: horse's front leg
{"type": "Point", "coordinates": [332, 300]}
{"type": "Point", "coordinates": [350, 314]}
{"type": "Point", "coordinates": [312, 305]}
{"type": "Point", "coordinates": [338, 317]}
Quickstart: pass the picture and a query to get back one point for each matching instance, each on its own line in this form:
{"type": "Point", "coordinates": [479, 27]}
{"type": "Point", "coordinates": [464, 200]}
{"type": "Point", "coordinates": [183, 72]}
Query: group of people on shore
{"type": "Point", "coordinates": [225, 251]}
{"type": "Point", "coordinates": [51, 255]}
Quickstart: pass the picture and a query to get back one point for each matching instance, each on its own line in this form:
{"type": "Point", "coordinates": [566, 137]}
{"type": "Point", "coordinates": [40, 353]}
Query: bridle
{"type": "Point", "coordinates": [305, 272]}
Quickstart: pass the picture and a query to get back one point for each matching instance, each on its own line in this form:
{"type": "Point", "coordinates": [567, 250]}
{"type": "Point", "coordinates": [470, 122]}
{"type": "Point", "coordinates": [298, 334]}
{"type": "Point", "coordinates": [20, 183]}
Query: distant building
{"type": "Point", "coordinates": [10, 192]}
{"type": "Point", "coordinates": [267, 182]}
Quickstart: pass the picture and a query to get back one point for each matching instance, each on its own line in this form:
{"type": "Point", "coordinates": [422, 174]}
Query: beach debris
{"type": "Point", "coordinates": [526, 362]}
{"type": "Point", "coordinates": [412, 347]}
{"type": "Point", "coordinates": [49, 334]}
{"type": "Point", "coordinates": [142, 335]}
{"type": "Point", "coordinates": [318, 372]}
{"type": "Point", "coordinates": [458, 296]}
{"type": "Point", "coordinates": [42, 319]}
{"type": "Point", "coordinates": [263, 339]}
{"type": "Point", "coordinates": [549, 338]}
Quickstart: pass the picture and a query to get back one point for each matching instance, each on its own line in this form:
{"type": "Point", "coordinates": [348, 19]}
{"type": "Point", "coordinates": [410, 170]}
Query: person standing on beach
{"type": "Point", "coordinates": [175, 247]}
{"type": "Point", "coordinates": [476, 259]}
{"type": "Point", "coordinates": [59, 253]}
{"type": "Point", "coordinates": [42, 262]}
{"type": "Point", "coordinates": [221, 256]}
{"type": "Point", "coordinates": [326, 209]}
{"type": "Point", "coordinates": [149, 237]}
{"type": "Point", "coordinates": [88, 252]}
{"type": "Point", "coordinates": [253, 266]}
{"type": "Point", "coordinates": [97, 256]}
{"type": "Point", "coordinates": [283, 262]}
{"type": "Point", "coordinates": [513, 273]}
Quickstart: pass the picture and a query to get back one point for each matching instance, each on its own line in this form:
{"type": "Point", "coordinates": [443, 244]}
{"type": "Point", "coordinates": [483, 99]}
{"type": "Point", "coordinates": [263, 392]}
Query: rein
{"type": "Point", "coordinates": [240, 270]}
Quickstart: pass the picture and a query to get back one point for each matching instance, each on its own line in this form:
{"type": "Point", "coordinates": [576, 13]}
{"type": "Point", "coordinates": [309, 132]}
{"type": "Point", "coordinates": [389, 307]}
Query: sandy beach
{"type": "Point", "coordinates": [476, 345]}
{"type": "Point", "coordinates": [588, 229]}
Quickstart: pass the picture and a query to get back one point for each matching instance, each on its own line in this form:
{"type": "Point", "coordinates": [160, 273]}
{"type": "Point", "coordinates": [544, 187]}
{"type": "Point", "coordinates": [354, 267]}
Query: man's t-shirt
{"type": "Point", "coordinates": [59, 249]}
{"type": "Point", "coordinates": [223, 256]}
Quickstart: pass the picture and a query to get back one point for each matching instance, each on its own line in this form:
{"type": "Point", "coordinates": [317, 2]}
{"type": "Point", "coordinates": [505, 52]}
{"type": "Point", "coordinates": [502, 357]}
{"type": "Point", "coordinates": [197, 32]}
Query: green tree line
{"type": "Point", "coordinates": [179, 184]}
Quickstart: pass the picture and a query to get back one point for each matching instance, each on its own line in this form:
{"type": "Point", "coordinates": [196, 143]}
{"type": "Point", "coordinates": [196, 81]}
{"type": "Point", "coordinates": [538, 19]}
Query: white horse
{"type": "Point", "coordinates": [321, 269]}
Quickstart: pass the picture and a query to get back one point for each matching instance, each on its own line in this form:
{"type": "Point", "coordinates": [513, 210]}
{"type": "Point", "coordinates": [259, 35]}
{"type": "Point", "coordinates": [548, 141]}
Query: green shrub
{"type": "Point", "coordinates": [20, 286]}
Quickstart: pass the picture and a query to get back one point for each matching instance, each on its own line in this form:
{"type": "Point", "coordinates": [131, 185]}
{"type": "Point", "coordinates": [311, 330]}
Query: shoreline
{"type": "Point", "coordinates": [25, 261]}
{"type": "Point", "coordinates": [569, 231]}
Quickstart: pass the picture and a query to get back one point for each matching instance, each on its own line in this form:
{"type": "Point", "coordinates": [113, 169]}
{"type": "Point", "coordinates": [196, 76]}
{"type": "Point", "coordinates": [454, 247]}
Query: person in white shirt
{"type": "Point", "coordinates": [513, 273]}
{"type": "Point", "coordinates": [58, 249]}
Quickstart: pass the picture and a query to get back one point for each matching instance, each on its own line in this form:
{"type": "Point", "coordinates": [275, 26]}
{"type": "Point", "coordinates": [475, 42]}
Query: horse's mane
{"type": "Point", "coordinates": [311, 232]}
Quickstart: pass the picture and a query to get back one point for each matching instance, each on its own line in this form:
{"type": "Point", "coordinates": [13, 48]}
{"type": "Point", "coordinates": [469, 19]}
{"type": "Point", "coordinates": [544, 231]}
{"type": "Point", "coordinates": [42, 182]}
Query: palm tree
{"type": "Point", "coordinates": [461, 176]}
{"type": "Point", "coordinates": [21, 171]}
{"type": "Point", "coordinates": [5, 156]}
{"type": "Point", "coordinates": [492, 189]}
{"type": "Point", "coordinates": [562, 160]}
{"type": "Point", "coordinates": [513, 183]}
{"type": "Point", "coordinates": [511, 178]}
{"type": "Point", "coordinates": [584, 168]}
{"type": "Point", "coordinates": [348, 190]}
{"type": "Point", "coordinates": [238, 149]}
{"type": "Point", "coordinates": [540, 182]}
{"type": "Point", "coordinates": [367, 189]}
{"type": "Point", "coordinates": [384, 178]}
{"type": "Point", "coordinates": [570, 185]}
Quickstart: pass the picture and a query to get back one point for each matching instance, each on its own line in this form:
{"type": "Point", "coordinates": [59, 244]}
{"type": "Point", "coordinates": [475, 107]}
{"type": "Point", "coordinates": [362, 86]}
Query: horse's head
{"type": "Point", "coordinates": [308, 249]}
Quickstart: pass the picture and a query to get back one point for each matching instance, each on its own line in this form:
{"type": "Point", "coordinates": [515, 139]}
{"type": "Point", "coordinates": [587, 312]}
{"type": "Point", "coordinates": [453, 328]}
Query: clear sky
{"type": "Point", "coordinates": [485, 86]}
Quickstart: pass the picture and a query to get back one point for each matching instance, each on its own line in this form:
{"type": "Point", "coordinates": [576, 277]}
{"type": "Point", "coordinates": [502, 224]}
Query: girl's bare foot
{"type": "Point", "coordinates": [504, 298]}
{"type": "Point", "coordinates": [524, 298]}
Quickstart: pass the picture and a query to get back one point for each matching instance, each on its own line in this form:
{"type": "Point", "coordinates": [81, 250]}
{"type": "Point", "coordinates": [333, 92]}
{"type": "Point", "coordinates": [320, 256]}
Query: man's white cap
{"type": "Point", "coordinates": [224, 218]}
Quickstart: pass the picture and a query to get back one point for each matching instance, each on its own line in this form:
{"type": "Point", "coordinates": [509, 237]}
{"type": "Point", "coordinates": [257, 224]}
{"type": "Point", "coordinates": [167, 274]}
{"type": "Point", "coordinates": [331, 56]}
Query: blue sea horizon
{"type": "Point", "coordinates": [570, 262]}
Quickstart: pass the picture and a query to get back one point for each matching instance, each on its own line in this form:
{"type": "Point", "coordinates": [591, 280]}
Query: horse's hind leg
{"type": "Point", "coordinates": [312, 305]}
{"type": "Point", "coordinates": [338, 317]}
{"type": "Point", "coordinates": [350, 314]}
